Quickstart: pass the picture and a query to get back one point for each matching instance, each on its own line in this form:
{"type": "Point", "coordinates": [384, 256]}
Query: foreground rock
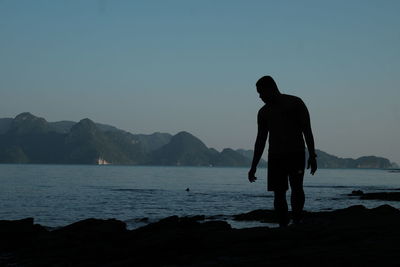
{"type": "Point", "coordinates": [353, 236]}
{"type": "Point", "coordinates": [386, 196]}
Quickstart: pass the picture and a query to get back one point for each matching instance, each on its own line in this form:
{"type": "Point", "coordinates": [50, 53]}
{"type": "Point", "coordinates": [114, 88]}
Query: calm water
{"type": "Point", "coordinates": [56, 195]}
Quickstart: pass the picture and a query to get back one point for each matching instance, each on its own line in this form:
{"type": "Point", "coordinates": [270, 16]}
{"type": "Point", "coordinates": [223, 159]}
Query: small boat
{"type": "Point", "coordinates": [101, 161]}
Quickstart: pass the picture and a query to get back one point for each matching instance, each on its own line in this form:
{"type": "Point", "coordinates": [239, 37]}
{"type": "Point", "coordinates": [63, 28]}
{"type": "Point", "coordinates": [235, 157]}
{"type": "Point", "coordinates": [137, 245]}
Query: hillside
{"type": "Point", "coordinates": [326, 160]}
{"type": "Point", "coordinates": [30, 139]}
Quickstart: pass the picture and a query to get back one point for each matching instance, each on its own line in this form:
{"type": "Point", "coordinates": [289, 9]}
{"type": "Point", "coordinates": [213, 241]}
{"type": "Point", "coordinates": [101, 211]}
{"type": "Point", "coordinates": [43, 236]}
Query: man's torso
{"type": "Point", "coordinates": [284, 121]}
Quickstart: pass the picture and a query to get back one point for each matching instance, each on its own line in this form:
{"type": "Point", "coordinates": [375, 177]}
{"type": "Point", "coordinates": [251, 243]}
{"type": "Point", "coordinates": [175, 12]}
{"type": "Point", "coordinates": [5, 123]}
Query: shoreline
{"type": "Point", "coordinates": [390, 170]}
{"type": "Point", "coordinates": [354, 235]}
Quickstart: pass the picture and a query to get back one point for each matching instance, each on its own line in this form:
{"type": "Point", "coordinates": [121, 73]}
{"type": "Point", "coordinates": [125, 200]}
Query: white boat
{"type": "Point", "coordinates": [101, 161]}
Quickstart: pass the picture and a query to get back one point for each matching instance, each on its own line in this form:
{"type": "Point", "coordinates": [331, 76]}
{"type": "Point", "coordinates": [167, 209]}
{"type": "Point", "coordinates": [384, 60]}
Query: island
{"type": "Point", "coordinates": [31, 139]}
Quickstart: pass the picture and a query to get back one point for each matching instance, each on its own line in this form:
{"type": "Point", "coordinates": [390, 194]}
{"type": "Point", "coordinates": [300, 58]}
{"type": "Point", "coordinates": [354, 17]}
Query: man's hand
{"type": "Point", "coordinates": [312, 163]}
{"type": "Point", "coordinates": [252, 177]}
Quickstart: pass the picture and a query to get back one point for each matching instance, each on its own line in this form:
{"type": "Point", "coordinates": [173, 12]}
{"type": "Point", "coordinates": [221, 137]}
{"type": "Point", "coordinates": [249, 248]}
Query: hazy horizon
{"type": "Point", "coordinates": [175, 66]}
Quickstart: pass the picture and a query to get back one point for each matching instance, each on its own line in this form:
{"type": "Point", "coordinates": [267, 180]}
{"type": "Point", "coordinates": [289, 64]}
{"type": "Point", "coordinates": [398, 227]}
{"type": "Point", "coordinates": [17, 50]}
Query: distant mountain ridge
{"type": "Point", "coordinates": [326, 160]}
{"type": "Point", "coordinates": [30, 139]}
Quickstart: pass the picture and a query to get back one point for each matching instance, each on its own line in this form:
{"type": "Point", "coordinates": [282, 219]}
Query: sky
{"type": "Point", "coordinates": [169, 66]}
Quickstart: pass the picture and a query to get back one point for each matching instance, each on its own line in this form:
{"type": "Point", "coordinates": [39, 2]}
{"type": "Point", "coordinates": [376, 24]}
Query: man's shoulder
{"type": "Point", "coordinates": [263, 109]}
{"type": "Point", "coordinates": [262, 112]}
{"type": "Point", "coordinates": [293, 101]}
{"type": "Point", "coordinates": [291, 98]}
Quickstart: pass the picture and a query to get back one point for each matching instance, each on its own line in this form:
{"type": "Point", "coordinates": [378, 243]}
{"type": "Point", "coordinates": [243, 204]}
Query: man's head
{"type": "Point", "coordinates": [267, 89]}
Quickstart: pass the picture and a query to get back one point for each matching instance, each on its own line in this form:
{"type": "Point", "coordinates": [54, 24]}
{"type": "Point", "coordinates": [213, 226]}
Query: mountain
{"type": "Point", "coordinates": [58, 127]}
{"type": "Point", "coordinates": [87, 143]}
{"type": "Point", "coordinates": [229, 157]}
{"type": "Point", "coordinates": [30, 139]}
{"type": "Point", "coordinates": [153, 141]}
{"type": "Point", "coordinates": [66, 126]}
{"type": "Point", "coordinates": [183, 149]}
{"type": "Point", "coordinates": [26, 123]}
{"type": "Point", "coordinates": [326, 160]}
{"type": "Point", "coordinates": [61, 126]}
{"type": "Point", "coordinates": [5, 124]}
{"type": "Point", "coordinates": [249, 154]}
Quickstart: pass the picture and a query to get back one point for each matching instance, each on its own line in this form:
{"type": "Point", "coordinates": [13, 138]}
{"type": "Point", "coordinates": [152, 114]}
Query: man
{"type": "Point", "coordinates": [286, 120]}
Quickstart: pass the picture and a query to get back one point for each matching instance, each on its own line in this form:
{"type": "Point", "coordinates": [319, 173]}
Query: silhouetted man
{"type": "Point", "coordinates": [286, 120]}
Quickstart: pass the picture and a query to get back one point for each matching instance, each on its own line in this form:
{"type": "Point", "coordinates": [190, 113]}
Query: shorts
{"type": "Point", "coordinates": [283, 169]}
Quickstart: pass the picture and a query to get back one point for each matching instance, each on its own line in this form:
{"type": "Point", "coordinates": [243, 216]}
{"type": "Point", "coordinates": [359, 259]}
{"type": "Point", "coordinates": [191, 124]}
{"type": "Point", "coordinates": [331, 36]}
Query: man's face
{"type": "Point", "coordinates": [266, 95]}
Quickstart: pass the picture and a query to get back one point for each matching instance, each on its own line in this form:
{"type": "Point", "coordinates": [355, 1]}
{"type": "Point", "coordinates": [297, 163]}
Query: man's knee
{"type": "Point", "coordinates": [296, 184]}
{"type": "Point", "coordinates": [280, 193]}
{"type": "Point", "coordinates": [280, 196]}
{"type": "Point", "coordinates": [298, 190]}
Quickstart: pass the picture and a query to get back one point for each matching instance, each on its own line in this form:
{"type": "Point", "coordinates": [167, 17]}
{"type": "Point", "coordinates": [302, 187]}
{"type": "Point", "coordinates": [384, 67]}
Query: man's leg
{"type": "Point", "coordinates": [281, 208]}
{"type": "Point", "coordinates": [297, 198]}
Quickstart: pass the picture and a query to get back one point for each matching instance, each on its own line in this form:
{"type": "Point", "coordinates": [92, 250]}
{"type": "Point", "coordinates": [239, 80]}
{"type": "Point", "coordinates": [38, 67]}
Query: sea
{"type": "Point", "coordinates": [57, 195]}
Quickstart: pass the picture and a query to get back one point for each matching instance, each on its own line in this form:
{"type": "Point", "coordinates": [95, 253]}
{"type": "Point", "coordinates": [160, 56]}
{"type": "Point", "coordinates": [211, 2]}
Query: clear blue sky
{"type": "Point", "coordinates": [147, 66]}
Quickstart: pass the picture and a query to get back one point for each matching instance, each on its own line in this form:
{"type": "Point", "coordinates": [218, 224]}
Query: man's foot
{"type": "Point", "coordinates": [284, 222]}
{"type": "Point", "coordinates": [297, 218]}
{"type": "Point", "coordinates": [297, 221]}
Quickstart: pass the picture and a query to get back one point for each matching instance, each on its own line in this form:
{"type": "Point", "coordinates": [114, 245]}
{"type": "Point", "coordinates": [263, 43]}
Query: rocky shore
{"type": "Point", "coordinates": [355, 236]}
{"type": "Point", "coordinates": [386, 196]}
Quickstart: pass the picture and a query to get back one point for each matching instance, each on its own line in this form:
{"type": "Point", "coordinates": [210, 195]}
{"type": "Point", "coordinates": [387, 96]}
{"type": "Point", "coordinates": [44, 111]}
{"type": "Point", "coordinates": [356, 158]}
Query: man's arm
{"type": "Point", "coordinates": [309, 138]}
{"type": "Point", "coordinates": [259, 146]}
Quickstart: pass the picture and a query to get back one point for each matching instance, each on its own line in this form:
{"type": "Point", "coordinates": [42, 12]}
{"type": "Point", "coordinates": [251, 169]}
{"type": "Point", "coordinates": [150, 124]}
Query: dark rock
{"type": "Point", "coordinates": [190, 222]}
{"type": "Point", "coordinates": [388, 196]}
{"type": "Point", "coordinates": [195, 218]}
{"type": "Point", "coordinates": [94, 226]}
{"type": "Point", "coordinates": [357, 193]}
{"type": "Point", "coordinates": [16, 225]}
{"type": "Point", "coordinates": [356, 209]}
{"type": "Point", "coordinates": [261, 215]}
{"type": "Point", "coordinates": [20, 226]}
{"type": "Point", "coordinates": [17, 233]}
{"type": "Point", "coordinates": [145, 220]}
{"type": "Point", "coordinates": [216, 225]}
{"type": "Point", "coordinates": [385, 209]}
{"type": "Point", "coordinates": [256, 215]}
{"type": "Point", "coordinates": [354, 236]}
